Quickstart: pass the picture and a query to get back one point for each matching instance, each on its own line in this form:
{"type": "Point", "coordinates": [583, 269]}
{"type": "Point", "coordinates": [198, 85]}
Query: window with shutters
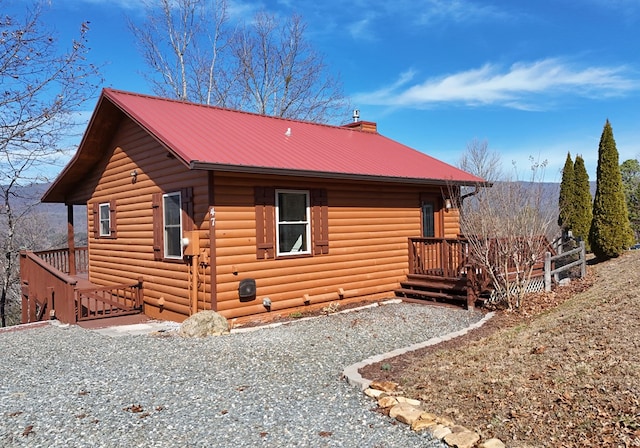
{"type": "Point", "coordinates": [105, 219]}
{"type": "Point", "coordinates": [172, 216]}
{"type": "Point", "coordinates": [291, 222]}
{"type": "Point", "coordinates": [172, 225]}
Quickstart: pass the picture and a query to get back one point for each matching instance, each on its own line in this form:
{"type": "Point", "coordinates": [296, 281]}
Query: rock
{"type": "Point", "coordinates": [428, 416]}
{"type": "Point", "coordinates": [492, 443]}
{"type": "Point", "coordinates": [410, 401]}
{"type": "Point", "coordinates": [421, 425]}
{"type": "Point", "coordinates": [385, 386]}
{"type": "Point", "coordinates": [445, 421]}
{"type": "Point", "coordinates": [205, 323]}
{"type": "Point", "coordinates": [459, 428]}
{"type": "Point", "coordinates": [464, 439]}
{"type": "Point", "coordinates": [387, 401]}
{"type": "Point", "coordinates": [440, 431]}
{"type": "Point", "coordinates": [373, 393]}
{"type": "Point", "coordinates": [405, 413]}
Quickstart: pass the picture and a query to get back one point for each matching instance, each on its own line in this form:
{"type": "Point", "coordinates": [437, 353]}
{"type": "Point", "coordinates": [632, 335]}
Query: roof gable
{"type": "Point", "coordinates": [207, 137]}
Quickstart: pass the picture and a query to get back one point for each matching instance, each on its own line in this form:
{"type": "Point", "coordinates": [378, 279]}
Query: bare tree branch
{"type": "Point", "coordinates": [40, 89]}
{"type": "Point", "coordinates": [265, 66]}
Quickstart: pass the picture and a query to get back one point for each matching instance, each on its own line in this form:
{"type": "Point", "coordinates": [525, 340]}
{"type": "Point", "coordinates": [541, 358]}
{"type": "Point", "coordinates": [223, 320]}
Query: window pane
{"type": "Point", "coordinates": [173, 242]}
{"type": "Point", "coordinates": [172, 210]}
{"type": "Point", "coordinates": [293, 238]}
{"type": "Point", "coordinates": [292, 206]}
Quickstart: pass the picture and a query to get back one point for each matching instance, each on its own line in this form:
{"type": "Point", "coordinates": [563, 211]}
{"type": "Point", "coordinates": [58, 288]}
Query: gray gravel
{"type": "Point", "coordinates": [273, 387]}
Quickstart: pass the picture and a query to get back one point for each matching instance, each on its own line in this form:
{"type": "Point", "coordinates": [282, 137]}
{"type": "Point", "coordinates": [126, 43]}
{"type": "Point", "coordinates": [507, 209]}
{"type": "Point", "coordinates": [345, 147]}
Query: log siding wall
{"type": "Point", "coordinates": [366, 256]}
{"type": "Point", "coordinates": [131, 254]}
{"type": "Point", "coordinates": [363, 254]}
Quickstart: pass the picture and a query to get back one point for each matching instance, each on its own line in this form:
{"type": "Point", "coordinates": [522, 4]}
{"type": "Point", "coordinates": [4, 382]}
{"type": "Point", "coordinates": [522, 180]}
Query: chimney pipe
{"type": "Point", "coordinates": [356, 115]}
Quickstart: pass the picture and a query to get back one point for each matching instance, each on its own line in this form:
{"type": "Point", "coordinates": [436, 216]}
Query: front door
{"type": "Point", "coordinates": [430, 211]}
{"type": "Point", "coordinates": [428, 219]}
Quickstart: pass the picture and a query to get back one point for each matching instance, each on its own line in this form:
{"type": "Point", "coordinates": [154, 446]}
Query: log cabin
{"type": "Point", "coordinates": [193, 207]}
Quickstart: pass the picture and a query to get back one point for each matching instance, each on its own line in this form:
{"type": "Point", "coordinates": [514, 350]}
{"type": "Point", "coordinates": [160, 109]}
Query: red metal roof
{"type": "Point", "coordinates": [211, 137]}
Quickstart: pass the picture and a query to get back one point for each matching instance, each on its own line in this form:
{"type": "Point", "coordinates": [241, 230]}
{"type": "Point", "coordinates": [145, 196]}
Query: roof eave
{"type": "Point", "coordinates": [245, 169]}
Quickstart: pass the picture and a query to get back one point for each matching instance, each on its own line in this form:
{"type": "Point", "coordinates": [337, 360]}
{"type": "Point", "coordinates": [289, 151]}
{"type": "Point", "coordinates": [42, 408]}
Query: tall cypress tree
{"type": "Point", "coordinates": [610, 233]}
{"type": "Point", "coordinates": [630, 171]}
{"type": "Point", "coordinates": [566, 201]}
{"type": "Point", "coordinates": [583, 202]}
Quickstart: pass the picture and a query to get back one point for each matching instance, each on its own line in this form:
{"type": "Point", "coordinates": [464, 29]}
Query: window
{"type": "Point", "coordinates": [291, 222]}
{"type": "Point", "coordinates": [172, 215]}
{"type": "Point", "coordinates": [293, 230]}
{"type": "Point", "coordinates": [172, 225]}
{"type": "Point", "coordinates": [105, 219]}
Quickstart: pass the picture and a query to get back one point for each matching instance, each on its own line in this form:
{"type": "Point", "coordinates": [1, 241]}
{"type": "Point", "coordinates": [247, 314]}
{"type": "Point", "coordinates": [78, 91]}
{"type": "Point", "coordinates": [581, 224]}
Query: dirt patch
{"type": "Point", "coordinates": [563, 372]}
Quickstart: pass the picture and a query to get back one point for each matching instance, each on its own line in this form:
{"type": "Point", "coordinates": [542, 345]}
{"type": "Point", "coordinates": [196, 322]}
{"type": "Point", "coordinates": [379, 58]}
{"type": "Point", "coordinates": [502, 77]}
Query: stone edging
{"type": "Point", "coordinates": [354, 378]}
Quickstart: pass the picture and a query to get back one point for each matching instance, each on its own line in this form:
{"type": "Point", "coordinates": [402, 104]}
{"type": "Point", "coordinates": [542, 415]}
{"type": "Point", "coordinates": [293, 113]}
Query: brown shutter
{"type": "Point", "coordinates": [186, 198]}
{"type": "Point", "coordinates": [265, 221]}
{"type": "Point", "coordinates": [96, 220]}
{"type": "Point", "coordinates": [112, 218]}
{"type": "Point", "coordinates": [320, 224]}
{"type": "Point", "coordinates": [156, 200]}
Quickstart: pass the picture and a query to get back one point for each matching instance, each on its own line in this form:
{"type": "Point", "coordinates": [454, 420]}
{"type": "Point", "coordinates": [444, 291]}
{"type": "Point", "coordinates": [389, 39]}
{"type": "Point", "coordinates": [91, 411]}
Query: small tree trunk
{"type": "Point", "coordinates": [3, 300]}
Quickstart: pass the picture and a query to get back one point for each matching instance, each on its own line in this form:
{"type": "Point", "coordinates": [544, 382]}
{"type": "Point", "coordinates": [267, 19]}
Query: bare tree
{"type": "Point", "coordinates": [508, 227]}
{"type": "Point", "coordinates": [479, 160]}
{"type": "Point", "coordinates": [184, 43]}
{"type": "Point", "coordinates": [280, 74]}
{"type": "Point", "coordinates": [41, 88]}
{"type": "Point", "coordinates": [196, 54]}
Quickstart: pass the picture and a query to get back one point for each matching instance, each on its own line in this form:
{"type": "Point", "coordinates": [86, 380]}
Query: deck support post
{"type": "Point", "coordinates": [71, 240]}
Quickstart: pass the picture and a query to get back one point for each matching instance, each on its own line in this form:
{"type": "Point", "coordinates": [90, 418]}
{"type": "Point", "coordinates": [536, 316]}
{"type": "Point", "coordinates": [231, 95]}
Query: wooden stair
{"type": "Point", "coordinates": [436, 289]}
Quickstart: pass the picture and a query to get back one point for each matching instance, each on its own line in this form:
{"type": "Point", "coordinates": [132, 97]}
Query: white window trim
{"type": "Point", "coordinates": [107, 220]}
{"type": "Point", "coordinates": [307, 223]}
{"type": "Point", "coordinates": [165, 240]}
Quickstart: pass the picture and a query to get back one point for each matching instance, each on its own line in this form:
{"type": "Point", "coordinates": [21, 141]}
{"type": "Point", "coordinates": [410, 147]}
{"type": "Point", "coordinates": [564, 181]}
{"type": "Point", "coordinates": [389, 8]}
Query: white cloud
{"type": "Point", "coordinates": [124, 4]}
{"type": "Point", "coordinates": [521, 86]}
{"type": "Point", "coordinates": [457, 11]}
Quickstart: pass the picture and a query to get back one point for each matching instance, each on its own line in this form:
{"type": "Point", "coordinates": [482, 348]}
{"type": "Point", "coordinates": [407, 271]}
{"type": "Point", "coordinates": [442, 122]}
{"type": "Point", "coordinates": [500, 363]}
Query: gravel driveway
{"type": "Point", "coordinates": [273, 387]}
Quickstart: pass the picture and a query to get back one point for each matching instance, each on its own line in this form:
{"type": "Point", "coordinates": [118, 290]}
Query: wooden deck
{"type": "Point", "coordinates": [50, 292]}
{"type": "Point", "coordinates": [440, 273]}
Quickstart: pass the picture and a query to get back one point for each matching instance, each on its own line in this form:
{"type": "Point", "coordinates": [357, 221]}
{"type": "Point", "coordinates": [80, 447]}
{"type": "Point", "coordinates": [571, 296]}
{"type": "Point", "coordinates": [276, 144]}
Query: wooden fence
{"type": "Point", "coordinates": [549, 262]}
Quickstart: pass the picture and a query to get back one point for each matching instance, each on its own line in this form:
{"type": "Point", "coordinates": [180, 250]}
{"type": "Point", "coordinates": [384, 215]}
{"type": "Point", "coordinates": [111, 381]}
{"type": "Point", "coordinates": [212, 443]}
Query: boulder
{"type": "Point", "coordinates": [405, 413]}
{"type": "Point", "coordinates": [492, 443]}
{"type": "Point", "coordinates": [463, 439]}
{"type": "Point", "coordinates": [203, 324]}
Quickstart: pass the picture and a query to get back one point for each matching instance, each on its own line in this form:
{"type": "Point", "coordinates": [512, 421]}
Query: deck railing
{"type": "Point", "coordinates": [48, 291]}
{"type": "Point", "coordinates": [59, 258]}
{"type": "Point", "coordinates": [45, 288]}
{"type": "Point", "coordinates": [444, 257]}
{"type": "Point", "coordinates": [108, 301]}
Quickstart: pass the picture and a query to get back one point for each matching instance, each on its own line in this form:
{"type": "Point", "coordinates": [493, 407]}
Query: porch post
{"type": "Point", "coordinates": [71, 240]}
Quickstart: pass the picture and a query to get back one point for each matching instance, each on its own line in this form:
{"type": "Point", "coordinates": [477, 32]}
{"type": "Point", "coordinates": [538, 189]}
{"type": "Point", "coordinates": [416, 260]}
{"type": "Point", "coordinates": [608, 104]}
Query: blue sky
{"type": "Point", "coordinates": [533, 78]}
